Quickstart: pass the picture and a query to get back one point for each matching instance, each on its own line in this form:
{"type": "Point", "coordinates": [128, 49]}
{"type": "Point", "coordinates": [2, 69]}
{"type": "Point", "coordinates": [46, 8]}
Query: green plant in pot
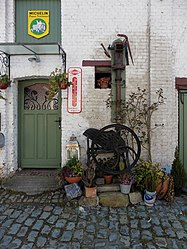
{"type": "Point", "coordinates": [4, 81]}
{"type": "Point", "coordinates": [144, 172]}
{"type": "Point", "coordinates": [57, 80]}
{"type": "Point", "coordinates": [147, 176]}
{"type": "Point", "coordinates": [72, 171]}
{"type": "Point", "coordinates": [178, 173]}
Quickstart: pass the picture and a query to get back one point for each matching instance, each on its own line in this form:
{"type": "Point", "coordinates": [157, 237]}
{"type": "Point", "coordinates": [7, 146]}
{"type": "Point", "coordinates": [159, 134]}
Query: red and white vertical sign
{"type": "Point", "coordinates": [75, 90]}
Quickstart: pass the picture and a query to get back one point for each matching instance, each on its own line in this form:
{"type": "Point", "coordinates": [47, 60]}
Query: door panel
{"type": "Point", "coordinates": [41, 136]}
{"type": "Point", "coordinates": [52, 135]}
{"type": "Point", "coordinates": [39, 133]}
{"type": "Point", "coordinates": [27, 129]}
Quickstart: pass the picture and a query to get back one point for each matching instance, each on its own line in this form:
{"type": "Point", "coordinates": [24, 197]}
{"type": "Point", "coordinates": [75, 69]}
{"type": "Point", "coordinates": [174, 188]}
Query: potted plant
{"type": "Point", "coordinates": [88, 179]}
{"type": "Point", "coordinates": [72, 171]}
{"type": "Point", "coordinates": [104, 82]}
{"type": "Point", "coordinates": [4, 81]}
{"type": "Point", "coordinates": [126, 179]}
{"type": "Point", "coordinates": [58, 80]}
{"type": "Point", "coordinates": [178, 173]}
{"type": "Point", "coordinates": [147, 176]}
{"type": "Point", "coordinates": [108, 178]}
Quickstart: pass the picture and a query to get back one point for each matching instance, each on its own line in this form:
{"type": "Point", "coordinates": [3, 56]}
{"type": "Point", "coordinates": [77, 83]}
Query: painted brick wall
{"type": "Point", "coordinates": [89, 24]}
{"type": "Point", "coordinates": [161, 76]}
{"type": "Point", "coordinates": [179, 38]}
{"type": "Point", "coordinates": [158, 38]}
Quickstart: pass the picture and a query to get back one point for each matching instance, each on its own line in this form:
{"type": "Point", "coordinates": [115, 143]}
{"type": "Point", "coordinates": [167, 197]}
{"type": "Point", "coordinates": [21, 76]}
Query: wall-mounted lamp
{"type": "Point", "coordinates": [35, 58]}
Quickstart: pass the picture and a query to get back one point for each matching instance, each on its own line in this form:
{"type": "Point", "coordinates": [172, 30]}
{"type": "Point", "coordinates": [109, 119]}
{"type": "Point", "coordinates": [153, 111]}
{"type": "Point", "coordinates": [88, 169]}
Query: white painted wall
{"type": "Point", "coordinates": [158, 38]}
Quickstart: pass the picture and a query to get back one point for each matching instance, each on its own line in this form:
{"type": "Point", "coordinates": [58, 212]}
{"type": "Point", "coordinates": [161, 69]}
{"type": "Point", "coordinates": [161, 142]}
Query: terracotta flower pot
{"type": "Point", "coordinates": [62, 85]}
{"type": "Point", "coordinates": [73, 179]}
{"type": "Point", "coordinates": [90, 192]}
{"type": "Point", "coordinates": [108, 179]}
{"type": "Point", "coordinates": [162, 188]}
{"type": "Point", "coordinates": [3, 86]}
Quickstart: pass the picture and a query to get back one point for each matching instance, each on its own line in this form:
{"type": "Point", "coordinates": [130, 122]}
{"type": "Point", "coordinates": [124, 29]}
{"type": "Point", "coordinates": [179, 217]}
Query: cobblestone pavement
{"type": "Point", "coordinates": [49, 221]}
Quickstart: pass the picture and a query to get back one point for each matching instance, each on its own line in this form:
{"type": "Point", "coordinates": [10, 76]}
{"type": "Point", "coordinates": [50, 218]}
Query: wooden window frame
{"type": "Point", "coordinates": [98, 65]}
{"type": "Point", "coordinates": [181, 83]}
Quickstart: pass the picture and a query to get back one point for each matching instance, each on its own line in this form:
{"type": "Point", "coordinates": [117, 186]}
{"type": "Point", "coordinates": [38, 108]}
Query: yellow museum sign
{"type": "Point", "coordinates": [38, 23]}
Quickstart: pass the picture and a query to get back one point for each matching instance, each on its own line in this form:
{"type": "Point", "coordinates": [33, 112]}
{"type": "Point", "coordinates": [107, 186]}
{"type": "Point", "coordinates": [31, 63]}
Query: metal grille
{"type": "Point", "coordinates": [36, 98]}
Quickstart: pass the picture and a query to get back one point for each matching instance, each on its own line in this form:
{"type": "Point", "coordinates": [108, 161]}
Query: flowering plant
{"type": "Point", "coordinates": [4, 82]}
{"type": "Point", "coordinates": [126, 178]}
{"type": "Point", "coordinates": [4, 79]}
{"type": "Point", "coordinates": [58, 76]}
{"type": "Point", "coordinates": [73, 167]}
{"type": "Point", "coordinates": [57, 80]}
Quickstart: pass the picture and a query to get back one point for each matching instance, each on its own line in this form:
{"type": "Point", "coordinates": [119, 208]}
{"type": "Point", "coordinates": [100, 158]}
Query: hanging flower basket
{"type": "Point", "coordinates": [62, 85]}
{"type": "Point", "coordinates": [57, 80]}
{"type": "Point", "coordinates": [3, 86]}
{"type": "Point", "coordinates": [4, 81]}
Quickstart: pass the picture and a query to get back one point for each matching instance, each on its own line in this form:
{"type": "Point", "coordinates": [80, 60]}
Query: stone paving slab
{"type": "Point", "coordinates": [50, 221]}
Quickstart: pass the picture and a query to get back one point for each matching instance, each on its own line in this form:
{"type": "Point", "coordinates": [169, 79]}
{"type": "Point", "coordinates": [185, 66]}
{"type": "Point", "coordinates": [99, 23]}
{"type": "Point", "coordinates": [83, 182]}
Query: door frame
{"type": "Point", "coordinates": [182, 112]}
{"type": "Point", "coordinates": [181, 86]}
{"type": "Point", "coordinates": [32, 82]}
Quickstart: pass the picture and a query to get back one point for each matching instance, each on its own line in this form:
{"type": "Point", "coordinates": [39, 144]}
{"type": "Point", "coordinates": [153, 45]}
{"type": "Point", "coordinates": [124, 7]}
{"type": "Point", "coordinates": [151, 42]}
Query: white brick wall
{"type": "Point", "coordinates": [179, 38]}
{"type": "Point", "coordinates": [161, 76]}
{"type": "Point", "coordinates": [158, 38]}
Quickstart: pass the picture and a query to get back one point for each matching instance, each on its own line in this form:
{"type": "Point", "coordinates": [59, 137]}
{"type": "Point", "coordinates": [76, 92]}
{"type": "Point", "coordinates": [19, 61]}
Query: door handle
{"type": "Point", "coordinates": [59, 122]}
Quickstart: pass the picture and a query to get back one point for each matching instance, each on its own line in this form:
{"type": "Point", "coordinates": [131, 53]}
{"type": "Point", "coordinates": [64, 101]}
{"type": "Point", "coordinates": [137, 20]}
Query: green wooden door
{"type": "Point", "coordinates": [183, 128]}
{"type": "Point", "coordinates": [39, 127]}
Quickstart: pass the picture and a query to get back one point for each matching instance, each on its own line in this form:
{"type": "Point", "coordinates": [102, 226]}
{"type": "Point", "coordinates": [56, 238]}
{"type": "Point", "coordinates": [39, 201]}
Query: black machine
{"type": "Point", "coordinates": [115, 148]}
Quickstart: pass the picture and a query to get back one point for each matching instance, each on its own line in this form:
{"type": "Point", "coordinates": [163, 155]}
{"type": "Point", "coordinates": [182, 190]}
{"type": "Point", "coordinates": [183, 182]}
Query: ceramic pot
{"type": "Point", "coordinates": [108, 179]}
{"type": "Point", "coordinates": [90, 192]}
{"type": "Point", "coordinates": [125, 189]}
{"type": "Point", "coordinates": [73, 179]}
{"type": "Point", "coordinates": [149, 198]}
